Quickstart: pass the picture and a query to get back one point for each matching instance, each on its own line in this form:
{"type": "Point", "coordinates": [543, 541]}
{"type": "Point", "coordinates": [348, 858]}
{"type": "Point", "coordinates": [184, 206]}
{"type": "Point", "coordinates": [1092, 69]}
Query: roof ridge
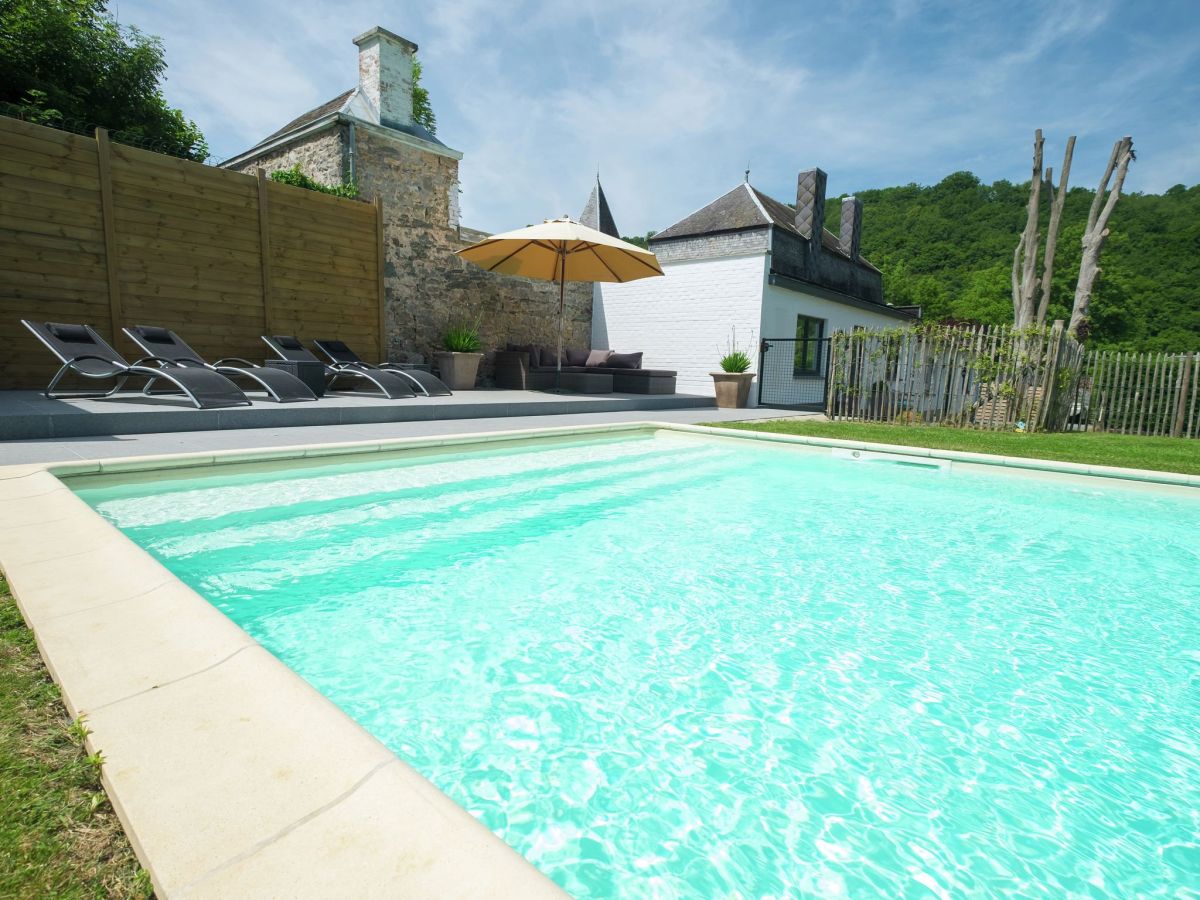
{"type": "Point", "coordinates": [754, 195]}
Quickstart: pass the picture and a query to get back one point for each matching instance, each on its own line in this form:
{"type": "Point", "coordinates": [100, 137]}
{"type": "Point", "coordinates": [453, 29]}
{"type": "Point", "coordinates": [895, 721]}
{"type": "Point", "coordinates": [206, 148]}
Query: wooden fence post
{"type": "Point", "coordinates": [379, 259]}
{"type": "Point", "coordinates": [111, 259]}
{"type": "Point", "coordinates": [264, 250]}
{"type": "Point", "coordinates": [1181, 400]}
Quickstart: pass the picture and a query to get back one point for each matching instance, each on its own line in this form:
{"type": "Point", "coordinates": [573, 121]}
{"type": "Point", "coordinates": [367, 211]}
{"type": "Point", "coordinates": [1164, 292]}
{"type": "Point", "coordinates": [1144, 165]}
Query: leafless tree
{"type": "Point", "coordinates": [1057, 199]}
{"type": "Point", "coordinates": [1027, 308]}
{"type": "Point", "coordinates": [1096, 234]}
{"type": "Point", "coordinates": [1024, 270]}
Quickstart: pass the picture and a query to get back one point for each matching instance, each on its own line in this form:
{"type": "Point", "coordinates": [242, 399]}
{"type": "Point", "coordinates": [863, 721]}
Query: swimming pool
{"type": "Point", "coordinates": [670, 665]}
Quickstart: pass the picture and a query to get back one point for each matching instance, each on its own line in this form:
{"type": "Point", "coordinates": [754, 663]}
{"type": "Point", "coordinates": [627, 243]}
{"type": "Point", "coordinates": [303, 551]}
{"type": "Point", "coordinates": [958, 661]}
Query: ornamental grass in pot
{"type": "Point", "coordinates": [732, 383]}
{"type": "Point", "coordinates": [458, 363]}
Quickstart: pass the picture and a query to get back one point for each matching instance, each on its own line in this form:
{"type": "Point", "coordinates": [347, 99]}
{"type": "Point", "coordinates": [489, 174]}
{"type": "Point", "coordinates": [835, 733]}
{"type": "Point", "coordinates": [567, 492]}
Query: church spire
{"type": "Point", "coordinates": [597, 214]}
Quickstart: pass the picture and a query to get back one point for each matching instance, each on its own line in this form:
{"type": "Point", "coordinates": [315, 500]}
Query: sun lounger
{"type": "Point", "coordinates": [82, 351]}
{"type": "Point", "coordinates": [282, 387]}
{"type": "Point", "coordinates": [390, 385]}
{"type": "Point", "coordinates": [341, 355]}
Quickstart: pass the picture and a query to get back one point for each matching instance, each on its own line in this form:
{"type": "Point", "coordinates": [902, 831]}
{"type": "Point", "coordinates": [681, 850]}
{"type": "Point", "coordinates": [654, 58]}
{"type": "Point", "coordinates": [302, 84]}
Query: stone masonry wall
{"type": "Point", "coordinates": [427, 287]}
{"type": "Point", "coordinates": [320, 156]}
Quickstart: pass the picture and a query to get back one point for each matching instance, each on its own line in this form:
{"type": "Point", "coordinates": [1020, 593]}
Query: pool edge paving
{"type": "Point", "coordinates": [253, 791]}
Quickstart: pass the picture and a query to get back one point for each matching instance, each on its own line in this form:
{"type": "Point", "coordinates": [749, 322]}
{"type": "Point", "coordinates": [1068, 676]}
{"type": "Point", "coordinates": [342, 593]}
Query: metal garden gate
{"type": "Point", "coordinates": [792, 373]}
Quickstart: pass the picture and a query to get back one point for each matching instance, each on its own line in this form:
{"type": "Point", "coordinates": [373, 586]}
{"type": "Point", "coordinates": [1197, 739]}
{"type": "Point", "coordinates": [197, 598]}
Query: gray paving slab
{"type": "Point", "coordinates": [112, 446]}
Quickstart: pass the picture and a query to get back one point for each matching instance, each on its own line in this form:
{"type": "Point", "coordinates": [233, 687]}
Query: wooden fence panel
{"type": "Point", "coordinates": [1152, 394]}
{"type": "Point", "coordinates": [110, 235]}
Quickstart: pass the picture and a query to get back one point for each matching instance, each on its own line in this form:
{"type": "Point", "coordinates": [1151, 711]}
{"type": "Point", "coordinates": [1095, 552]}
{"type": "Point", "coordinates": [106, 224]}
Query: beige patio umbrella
{"type": "Point", "coordinates": [562, 250]}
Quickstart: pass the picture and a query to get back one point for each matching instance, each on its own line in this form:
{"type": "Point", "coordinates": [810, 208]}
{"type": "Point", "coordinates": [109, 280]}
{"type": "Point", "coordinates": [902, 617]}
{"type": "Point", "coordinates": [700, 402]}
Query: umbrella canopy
{"type": "Point", "coordinates": [562, 250]}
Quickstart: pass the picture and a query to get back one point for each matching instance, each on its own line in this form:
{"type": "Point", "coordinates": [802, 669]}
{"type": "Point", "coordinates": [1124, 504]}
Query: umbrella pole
{"type": "Point", "coordinates": [562, 286]}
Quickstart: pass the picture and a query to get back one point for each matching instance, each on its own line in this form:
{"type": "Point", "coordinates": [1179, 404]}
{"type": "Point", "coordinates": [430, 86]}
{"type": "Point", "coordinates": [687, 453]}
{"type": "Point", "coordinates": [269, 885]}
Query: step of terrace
{"type": "Point", "coordinates": [27, 415]}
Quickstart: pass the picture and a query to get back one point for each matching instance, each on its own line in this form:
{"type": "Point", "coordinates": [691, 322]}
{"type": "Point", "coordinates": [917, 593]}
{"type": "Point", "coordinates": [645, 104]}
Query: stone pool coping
{"type": "Point", "coordinates": [233, 776]}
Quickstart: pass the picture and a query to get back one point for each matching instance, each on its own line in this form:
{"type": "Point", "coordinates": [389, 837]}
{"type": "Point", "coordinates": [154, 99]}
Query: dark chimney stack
{"type": "Point", "coordinates": [850, 236]}
{"type": "Point", "coordinates": [810, 206]}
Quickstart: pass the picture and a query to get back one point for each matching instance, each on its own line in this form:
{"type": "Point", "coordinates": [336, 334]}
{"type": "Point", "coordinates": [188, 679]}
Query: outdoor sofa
{"type": "Point", "coordinates": [532, 368]}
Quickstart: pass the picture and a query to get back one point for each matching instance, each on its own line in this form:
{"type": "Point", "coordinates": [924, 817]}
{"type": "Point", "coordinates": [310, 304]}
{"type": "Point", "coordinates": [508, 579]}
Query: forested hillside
{"type": "Point", "coordinates": [949, 248]}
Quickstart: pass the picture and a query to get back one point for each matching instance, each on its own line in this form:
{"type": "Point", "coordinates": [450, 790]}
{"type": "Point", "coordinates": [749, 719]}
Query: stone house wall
{"type": "Point", "coordinates": [320, 156]}
{"type": "Point", "coordinates": [427, 287]}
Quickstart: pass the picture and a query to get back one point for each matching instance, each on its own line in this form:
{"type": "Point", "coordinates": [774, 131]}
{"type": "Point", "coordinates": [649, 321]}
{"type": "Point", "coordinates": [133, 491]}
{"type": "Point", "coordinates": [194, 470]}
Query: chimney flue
{"type": "Point", "coordinates": [810, 205]}
{"type": "Point", "coordinates": [850, 233]}
{"type": "Point", "coordinates": [385, 74]}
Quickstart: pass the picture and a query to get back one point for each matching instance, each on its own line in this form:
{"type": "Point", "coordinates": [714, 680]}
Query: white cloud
{"type": "Point", "coordinates": [671, 100]}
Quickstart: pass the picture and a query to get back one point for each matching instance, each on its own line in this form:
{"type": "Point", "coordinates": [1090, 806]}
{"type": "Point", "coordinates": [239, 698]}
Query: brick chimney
{"type": "Point", "coordinates": [850, 236]}
{"type": "Point", "coordinates": [385, 74]}
{"type": "Point", "coordinates": [810, 205]}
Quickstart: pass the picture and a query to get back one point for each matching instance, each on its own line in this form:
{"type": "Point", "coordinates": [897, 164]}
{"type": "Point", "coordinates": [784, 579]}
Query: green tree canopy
{"type": "Point", "coordinates": [68, 62]}
{"type": "Point", "coordinates": [949, 247]}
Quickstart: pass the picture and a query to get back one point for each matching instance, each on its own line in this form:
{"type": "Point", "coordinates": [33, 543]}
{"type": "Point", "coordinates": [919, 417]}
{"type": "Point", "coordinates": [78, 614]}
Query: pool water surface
{"type": "Point", "coordinates": [677, 666]}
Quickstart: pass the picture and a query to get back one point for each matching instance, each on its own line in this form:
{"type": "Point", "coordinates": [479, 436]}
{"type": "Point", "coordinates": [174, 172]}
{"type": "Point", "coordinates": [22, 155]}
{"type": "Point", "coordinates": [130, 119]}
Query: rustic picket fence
{"type": "Point", "coordinates": [994, 378]}
{"type": "Point", "coordinates": [999, 378]}
{"type": "Point", "coordinates": [1139, 393]}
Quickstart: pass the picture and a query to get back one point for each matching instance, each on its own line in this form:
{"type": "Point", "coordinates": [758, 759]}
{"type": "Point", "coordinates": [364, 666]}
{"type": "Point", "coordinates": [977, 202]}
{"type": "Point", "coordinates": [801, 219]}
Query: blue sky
{"type": "Point", "coordinates": [672, 100]}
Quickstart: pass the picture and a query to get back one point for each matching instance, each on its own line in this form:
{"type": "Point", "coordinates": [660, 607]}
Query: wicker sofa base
{"type": "Point", "coordinates": [512, 372]}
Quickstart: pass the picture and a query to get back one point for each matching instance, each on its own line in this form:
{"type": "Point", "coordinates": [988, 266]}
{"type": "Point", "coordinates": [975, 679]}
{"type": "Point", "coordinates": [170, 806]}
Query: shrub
{"type": "Point", "coordinates": [296, 178]}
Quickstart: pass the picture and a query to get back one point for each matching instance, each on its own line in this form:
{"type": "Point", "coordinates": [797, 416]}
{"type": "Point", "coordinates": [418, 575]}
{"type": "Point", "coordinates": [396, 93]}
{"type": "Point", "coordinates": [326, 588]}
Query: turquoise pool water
{"type": "Point", "coordinates": [677, 667]}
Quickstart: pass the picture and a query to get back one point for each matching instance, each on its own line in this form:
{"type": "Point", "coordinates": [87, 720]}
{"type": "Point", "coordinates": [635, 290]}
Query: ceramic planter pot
{"type": "Point", "coordinates": [733, 388]}
{"type": "Point", "coordinates": [458, 370]}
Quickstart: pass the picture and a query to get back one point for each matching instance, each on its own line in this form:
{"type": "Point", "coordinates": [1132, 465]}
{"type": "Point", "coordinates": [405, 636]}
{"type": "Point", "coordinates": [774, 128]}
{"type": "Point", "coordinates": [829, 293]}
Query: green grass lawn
{"type": "Point", "coordinates": [58, 835]}
{"type": "Point", "coordinates": [1162, 454]}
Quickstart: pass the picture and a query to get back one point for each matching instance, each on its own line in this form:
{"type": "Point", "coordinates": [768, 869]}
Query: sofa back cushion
{"type": "Point", "coordinates": [528, 349]}
{"type": "Point", "coordinates": [549, 356]}
{"type": "Point", "coordinates": [575, 357]}
{"type": "Point", "coordinates": [624, 361]}
{"type": "Point", "coordinates": [598, 358]}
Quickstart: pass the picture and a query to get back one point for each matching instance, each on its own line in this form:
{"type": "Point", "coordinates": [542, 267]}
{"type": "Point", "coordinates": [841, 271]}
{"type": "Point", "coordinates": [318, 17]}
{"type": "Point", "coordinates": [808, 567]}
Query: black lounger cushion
{"type": "Point", "coordinates": [288, 343]}
{"type": "Point", "coordinates": [72, 334]}
{"type": "Point", "coordinates": [335, 346]}
{"type": "Point", "coordinates": [624, 361]}
{"type": "Point", "coordinates": [156, 335]}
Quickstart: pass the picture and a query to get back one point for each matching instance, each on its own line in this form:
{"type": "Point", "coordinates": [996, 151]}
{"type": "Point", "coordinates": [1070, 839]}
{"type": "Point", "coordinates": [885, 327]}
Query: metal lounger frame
{"type": "Point", "coordinates": [380, 379]}
{"type": "Point", "coordinates": [243, 367]}
{"type": "Point", "coordinates": [122, 371]}
{"type": "Point", "coordinates": [352, 360]}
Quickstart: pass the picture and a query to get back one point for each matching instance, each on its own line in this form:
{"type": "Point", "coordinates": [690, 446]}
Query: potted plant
{"type": "Point", "coordinates": [459, 362]}
{"type": "Point", "coordinates": [733, 381]}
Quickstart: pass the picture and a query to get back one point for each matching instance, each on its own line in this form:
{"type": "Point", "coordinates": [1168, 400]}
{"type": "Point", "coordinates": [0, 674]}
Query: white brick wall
{"type": "Point", "coordinates": [683, 320]}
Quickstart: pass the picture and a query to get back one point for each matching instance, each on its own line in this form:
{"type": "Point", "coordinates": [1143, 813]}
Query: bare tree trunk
{"type": "Point", "coordinates": [1096, 234]}
{"type": "Point", "coordinates": [1057, 199]}
{"type": "Point", "coordinates": [1025, 284]}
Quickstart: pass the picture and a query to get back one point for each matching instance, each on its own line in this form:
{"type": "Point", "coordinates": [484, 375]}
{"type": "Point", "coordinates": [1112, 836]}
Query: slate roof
{"type": "Point", "coordinates": [353, 105]}
{"type": "Point", "coordinates": [742, 208]}
{"type": "Point", "coordinates": [309, 117]}
{"type": "Point", "coordinates": [596, 213]}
